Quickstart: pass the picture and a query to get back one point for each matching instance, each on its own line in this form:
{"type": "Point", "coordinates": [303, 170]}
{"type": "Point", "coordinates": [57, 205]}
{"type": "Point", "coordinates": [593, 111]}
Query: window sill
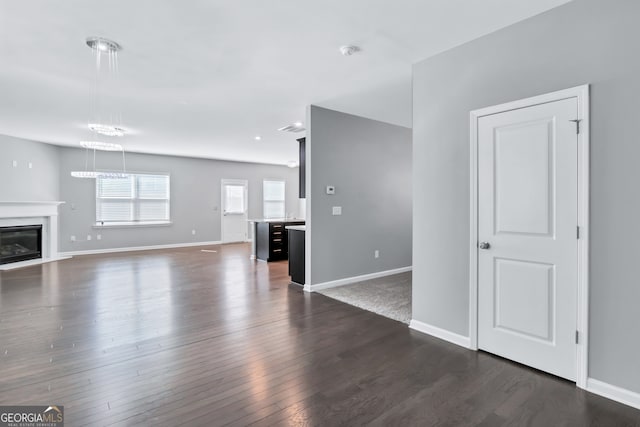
{"type": "Point", "coordinates": [134, 224]}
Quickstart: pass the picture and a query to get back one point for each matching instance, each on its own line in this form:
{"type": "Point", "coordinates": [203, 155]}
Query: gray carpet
{"type": "Point", "coordinates": [388, 296]}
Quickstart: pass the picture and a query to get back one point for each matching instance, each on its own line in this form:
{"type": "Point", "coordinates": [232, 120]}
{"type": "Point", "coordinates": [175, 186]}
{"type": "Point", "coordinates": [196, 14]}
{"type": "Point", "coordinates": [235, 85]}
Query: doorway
{"type": "Point", "coordinates": [234, 210]}
{"type": "Point", "coordinates": [529, 232]}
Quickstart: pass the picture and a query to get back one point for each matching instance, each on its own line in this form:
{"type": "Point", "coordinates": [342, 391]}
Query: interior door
{"type": "Point", "coordinates": [234, 210]}
{"type": "Point", "coordinates": [527, 234]}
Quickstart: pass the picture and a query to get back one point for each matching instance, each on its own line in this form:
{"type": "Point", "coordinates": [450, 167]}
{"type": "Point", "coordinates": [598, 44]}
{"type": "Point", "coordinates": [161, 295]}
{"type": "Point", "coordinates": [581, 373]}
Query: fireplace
{"type": "Point", "coordinates": [20, 216]}
{"type": "Point", "coordinates": [20, 243]}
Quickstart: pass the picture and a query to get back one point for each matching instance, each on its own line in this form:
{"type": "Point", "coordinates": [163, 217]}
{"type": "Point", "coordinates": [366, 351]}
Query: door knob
{"type": "Point", "coordinates": [484, 245]}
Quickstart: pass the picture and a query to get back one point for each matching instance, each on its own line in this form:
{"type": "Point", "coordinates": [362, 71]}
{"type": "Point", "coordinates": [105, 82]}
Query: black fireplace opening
{"type": "Point", "coordinates": [20, 243]}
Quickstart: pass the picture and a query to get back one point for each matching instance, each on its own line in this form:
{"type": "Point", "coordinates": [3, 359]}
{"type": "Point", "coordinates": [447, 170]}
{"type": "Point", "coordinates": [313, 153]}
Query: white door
{"type": "Point", "coordinates": [234, 210]}
{"type": "Point", "coordinates": [527, 234]}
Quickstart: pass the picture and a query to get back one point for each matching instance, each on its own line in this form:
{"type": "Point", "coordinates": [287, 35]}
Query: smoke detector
{"type": "Point", "coordinates": [349, 50]}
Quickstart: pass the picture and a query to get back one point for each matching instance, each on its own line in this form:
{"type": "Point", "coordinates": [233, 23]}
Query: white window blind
{"type": "Point", "coordinates": [136, 199]}
{"type": "Point", "coordinates": [273, 196]}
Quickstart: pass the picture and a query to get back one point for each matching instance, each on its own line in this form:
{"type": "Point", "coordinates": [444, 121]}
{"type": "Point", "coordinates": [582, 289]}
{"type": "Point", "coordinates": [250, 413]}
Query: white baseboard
{"type": "Point", "coordinates": [21, 264]}
{"type": "Point", "coordinates": [139, 248]}
{"type": "Point", "coordinates": [621, 395]}
{"type": "Point", "coordinates": [443, 334]}
{"type": "Point", "coordinates": [355, 279]}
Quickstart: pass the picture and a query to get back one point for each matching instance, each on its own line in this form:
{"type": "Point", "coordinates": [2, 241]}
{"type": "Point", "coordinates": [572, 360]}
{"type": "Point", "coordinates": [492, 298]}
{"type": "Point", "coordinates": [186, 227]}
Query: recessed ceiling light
{"type": "Point", "coordinates": [298, 124]}
{"type": "Point", "coordinates": [257, 138]}
{"type": "Point", "coordinates": [292, 164]}
{"type": "Point", "coordinates": [349, 50]}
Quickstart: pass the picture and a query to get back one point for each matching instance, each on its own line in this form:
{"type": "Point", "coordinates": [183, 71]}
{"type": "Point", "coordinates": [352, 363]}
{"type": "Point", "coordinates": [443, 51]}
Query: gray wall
{"type": "Point", "coordinates": [195, 198]}
{"type": "Point", "coordinates": [21, 183]}
{"type": "Point", "coordinates": [369, 163]}
{"type": "Point", "coordinates": [586, 41]}
{"type": "Point", "coordinates": [195, 192]}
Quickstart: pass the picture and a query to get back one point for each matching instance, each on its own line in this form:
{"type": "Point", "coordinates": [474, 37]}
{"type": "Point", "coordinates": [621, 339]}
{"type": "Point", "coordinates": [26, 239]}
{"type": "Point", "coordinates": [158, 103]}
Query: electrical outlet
{"type": "Point", "coordinates": [73, 238]}
{"type": "Point", "coordinates": [193, 232]}
{"type": "Point", "coordinates": [376, 254]}
{"type": "Point", "coordinates": [30, 165]}
{"type": "Point", "coordinates": [99, 237]}
{"type": "Point", "coordinates": [88, 237]}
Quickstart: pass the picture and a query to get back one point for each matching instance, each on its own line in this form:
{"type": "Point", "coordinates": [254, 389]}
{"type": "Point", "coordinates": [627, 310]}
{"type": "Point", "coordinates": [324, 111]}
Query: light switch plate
{"type": "Point", "coordinates": [331, 189]}
{"type": "Point", "coordinates": [337, 210]}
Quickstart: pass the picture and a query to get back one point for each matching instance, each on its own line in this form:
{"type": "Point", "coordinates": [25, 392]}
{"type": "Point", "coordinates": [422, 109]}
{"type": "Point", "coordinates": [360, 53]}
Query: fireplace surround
{"type": "Point", "coordinates": [27, 214]}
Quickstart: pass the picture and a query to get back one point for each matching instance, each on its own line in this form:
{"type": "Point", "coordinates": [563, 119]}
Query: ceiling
{"type": "Point", "coordinates": [202, 78]}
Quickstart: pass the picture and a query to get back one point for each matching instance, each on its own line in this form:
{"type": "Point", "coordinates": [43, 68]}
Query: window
{"type": "Point", "coordinates": [234, 199]}
{"type": "Point", "coordinates": [136, 199]}
{"type": "Point", "coordinates": [273, 199]}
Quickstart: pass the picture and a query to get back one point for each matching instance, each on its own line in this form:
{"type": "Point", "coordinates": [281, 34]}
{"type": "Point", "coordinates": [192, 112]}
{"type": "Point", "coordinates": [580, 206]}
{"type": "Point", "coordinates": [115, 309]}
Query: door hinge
{"type": "Point", "coordinates": [577, 337]}
{"type": "Point", "coordinates": [577, 122]}
{"type": "Point", "coordinates": [578, 232]}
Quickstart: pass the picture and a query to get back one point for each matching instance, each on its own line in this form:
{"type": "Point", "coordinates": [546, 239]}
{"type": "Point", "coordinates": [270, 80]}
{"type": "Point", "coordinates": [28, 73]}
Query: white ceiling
{"type": "Point", "coordinates": [202, 77]}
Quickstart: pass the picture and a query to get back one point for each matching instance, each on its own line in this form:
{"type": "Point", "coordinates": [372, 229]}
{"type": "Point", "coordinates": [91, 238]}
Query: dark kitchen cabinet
{"type": "Point", "coordinates": [271, 240]}
{"type": "Point", "coordinates": [296, 256]}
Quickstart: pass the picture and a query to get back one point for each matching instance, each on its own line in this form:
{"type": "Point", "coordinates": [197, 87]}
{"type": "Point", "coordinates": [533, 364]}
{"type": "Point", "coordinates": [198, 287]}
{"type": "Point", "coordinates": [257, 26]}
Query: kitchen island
{"type": "Point", "coordinates": [270, 238]}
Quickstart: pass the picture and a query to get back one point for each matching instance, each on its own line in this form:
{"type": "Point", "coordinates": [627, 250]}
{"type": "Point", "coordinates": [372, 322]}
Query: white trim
{"type": "Point", "coordinates": [355, 279]}
{"type": "Point", "coordinates": [245, 214]}
{"type": "Point", "coordinates": [473, 233]}
{"type": "Point", "coordinates": [35, 212]}
{"type": "Point", "coordinates": [29, 263]}
{"type": "Point", "coordinates": [140, 248]}
{"type": "Point", "coordinates": [307, 200]}
{"type": "Point", "coordinates": [142, 224]}
{"type": "Point", "coordinates": [581, 93]}
{"type": "Point", "coordinates": [613, 392]}
{"type": "Point", "coordinates": [442, 334]}
{"type": "Point", "coordinates": [582, 312]}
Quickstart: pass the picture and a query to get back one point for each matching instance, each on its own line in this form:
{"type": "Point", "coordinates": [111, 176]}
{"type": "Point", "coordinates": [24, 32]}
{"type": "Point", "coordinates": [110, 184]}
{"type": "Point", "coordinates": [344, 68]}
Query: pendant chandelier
{"type": "Point", "coordinates": [104, 122]}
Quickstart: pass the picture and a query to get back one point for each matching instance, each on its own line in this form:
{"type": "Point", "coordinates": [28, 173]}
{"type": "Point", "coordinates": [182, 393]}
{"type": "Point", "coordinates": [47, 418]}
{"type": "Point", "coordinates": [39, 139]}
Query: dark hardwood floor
{"type": "Point", "coordinates": [184, 337]}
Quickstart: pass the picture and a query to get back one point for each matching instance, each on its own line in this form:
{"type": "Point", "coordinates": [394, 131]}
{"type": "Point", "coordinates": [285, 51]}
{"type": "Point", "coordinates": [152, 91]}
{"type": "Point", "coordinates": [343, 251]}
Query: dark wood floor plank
{"type": "Point", "coordinates": [184, 337]}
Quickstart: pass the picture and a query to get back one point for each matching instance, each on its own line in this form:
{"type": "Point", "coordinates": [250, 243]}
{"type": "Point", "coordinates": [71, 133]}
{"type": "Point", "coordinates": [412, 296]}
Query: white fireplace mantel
{"type": "Point", "coordinates": [34, 213]}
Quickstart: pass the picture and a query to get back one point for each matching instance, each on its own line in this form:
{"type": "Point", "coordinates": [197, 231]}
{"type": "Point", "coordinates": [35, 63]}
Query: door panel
{"type": "Point", "coordinates": [527, 212]}
{"type": "Point", "coordinates": [524, 298]}
{"type": "Point", "coordinates": [234, 211]}
{"type": "Point", "coordinates": [524, 179]}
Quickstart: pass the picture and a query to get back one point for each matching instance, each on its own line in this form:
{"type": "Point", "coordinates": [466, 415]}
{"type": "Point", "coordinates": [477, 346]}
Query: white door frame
{"type": "Point", "coordinates": [224, 181]}
{"type": "Point", "coordinates": [581, 93]}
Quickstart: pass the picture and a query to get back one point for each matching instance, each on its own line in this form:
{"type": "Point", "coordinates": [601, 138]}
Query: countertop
{"type": "Point", "coordinates": [296, 227]}
{"type": "Point", "coordinates": [277, 220]}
